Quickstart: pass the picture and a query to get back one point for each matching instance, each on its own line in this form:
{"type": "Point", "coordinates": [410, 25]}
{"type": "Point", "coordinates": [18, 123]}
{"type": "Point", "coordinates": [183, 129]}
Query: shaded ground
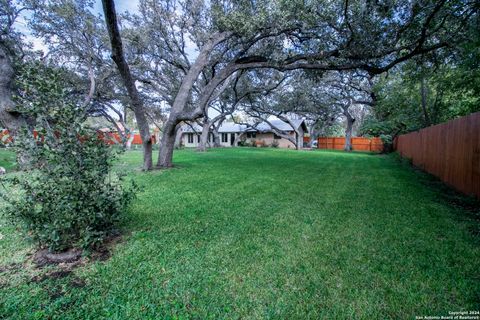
{"type": "Point", "coordinates": [262, 233]}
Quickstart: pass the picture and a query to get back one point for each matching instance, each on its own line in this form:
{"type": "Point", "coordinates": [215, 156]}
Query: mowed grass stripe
{"type": "Point", "coordinates": [273, 234]}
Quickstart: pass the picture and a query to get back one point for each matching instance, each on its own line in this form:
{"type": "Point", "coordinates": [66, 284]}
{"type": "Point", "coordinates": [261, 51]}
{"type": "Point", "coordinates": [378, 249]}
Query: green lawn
{"type": "Point", "coordinates": [7, 159]}
{"type": "Point", "coordinates": [267, 234]}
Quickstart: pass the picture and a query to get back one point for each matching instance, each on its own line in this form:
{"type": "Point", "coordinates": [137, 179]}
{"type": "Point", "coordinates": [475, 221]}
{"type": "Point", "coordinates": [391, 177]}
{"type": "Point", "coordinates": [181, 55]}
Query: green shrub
{"type": "Point", "coordinates": [243, 142]}
{"type": "Point", "coordinates": [69, 196]}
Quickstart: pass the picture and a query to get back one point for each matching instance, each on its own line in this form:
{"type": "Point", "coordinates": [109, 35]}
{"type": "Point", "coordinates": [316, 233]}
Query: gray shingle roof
{"type": "Point", "coordinates": [232, 127]}
{"type": "Point", "coordinates": [262, 127]}
{"type": "Point", "coordinates": [191, 128]}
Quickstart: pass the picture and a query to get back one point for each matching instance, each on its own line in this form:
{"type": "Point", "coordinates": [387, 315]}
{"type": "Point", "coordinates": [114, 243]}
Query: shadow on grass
{"type": "Point", "coordinates": [468, 206]}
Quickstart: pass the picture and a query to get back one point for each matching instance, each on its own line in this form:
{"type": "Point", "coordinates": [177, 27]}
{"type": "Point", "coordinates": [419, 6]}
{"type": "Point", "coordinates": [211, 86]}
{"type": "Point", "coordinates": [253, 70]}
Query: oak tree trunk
{"type": "Point", "coordinates": [127, 78]}
{"type": "Point", "coordinates": [423, 92]}
{"type": "Point", "coordinates": [216, 137]}
{"type": "Point", "coordinates": [177, 113]}
{"type": "Point", "coordinates": [9, 119]}
{"type": "Point", "coordinates": [202, 146]}
{"type": "Point", "coordinates": [313, 137]}
{"type": "Point", "coordinates": [178, 136]}
{"type": "Point", "coordinates": [167, 145]}
{"type": "Point", "coordinates": [348, 134]}
{"type": "Point", "coordinates": [129, 141]}
{"type": "Point", "coordinates": [238, 138]}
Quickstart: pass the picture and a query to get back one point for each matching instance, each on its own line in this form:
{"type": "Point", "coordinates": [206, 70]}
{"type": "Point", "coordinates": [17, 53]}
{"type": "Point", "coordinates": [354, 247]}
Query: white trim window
{"type": "Point", "coordinates": [190, 137]}
{"type": "Point", "coordinates": [224, 137]}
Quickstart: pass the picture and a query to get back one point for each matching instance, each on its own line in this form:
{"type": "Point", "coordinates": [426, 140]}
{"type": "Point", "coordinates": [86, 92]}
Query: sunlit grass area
{"type": "Point", "coordinates": [263, 233]}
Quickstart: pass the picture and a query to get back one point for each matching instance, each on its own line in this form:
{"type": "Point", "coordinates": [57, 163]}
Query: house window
{"type": "Point", "coordinates": [251, 135]}
{"type": "Point", "coordinates": [198, 138]}
{"type": "Point", "coordinates": [276, 136]}
{"type": "Point", "coordinates": [224, 137]}
{"type": "Point", "coordinates": [190, 138]}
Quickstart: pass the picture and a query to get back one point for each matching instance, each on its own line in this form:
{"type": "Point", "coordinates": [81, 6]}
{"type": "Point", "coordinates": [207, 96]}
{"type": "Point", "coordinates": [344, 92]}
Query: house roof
{"type": "Point", "coordinates": [281, 125]}
{"type": "Point", "coordinates": [191, 128]}
{"type": "Point", "coordinates": [232, 127]}
{"type": "Point", "coordinates": [262, 127]}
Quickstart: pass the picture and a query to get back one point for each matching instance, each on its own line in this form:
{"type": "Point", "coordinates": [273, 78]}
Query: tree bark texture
{"type": "Point", "coordinates": [177, 113]}
{"type": "Point", "coordinates": [167, 145]}
{"type": "Point", "coordinates": [423, 92]}
{"type": "Point", "coordinates": [127, 78]}
{"type": "Point", "coordinates": [178, 136]}
{"type": "Point", "coordinates": [202, 146]}
{"type": "Point", "coordinates": [9, 119]}
{"type": "Point", "coordinates": [348, 130]}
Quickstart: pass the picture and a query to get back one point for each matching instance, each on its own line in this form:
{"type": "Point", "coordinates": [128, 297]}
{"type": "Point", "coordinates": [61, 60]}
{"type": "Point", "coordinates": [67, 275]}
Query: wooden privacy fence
{"type": "Point", "coordinates": [358, 143]}
{"type": "Point", "coordinates": [450, 151]}
{"type": "Point", "coordinates": [108, 137]}
{"type": "Point", "coordinates": [137, 139]}
{"type": "Point", "coordinates": [5, 137]}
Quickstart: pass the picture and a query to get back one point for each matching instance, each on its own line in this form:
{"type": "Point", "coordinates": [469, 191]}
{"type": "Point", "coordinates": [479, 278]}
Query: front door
{"type": "Point", "coordinates": [232, 138]}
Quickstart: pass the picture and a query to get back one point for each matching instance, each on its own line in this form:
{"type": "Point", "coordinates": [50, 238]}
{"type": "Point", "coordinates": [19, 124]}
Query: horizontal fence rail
{"type": "Point", "coordinates": [450, 151]}
{"type": "Point", "coordinates": [358, 143]}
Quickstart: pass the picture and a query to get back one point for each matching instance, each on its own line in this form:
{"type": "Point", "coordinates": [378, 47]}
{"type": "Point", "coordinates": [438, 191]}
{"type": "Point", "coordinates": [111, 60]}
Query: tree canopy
{"type": "Point", "coordinates": [176, 60]}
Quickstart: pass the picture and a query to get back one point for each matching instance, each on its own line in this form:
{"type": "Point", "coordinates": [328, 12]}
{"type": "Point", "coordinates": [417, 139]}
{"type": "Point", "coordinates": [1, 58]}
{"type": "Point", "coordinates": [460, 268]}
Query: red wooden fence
{"type": "Point", "coordinates": [358, 143]}
{"type": "Point", "coordinates": [450, 151]}
{"type": "Point", "coordinates": [5, 137]}
{"type": "Point", "coordinates": [108, 137]}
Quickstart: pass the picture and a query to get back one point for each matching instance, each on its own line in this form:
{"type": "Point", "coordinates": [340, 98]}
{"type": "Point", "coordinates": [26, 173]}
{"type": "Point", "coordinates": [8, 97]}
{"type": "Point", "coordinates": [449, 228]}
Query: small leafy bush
{"type": "Point", "coordinates": [387, 140]}
{"type": "Point", "coordinates": [275, 144]}
{"type": "Point", "coordinates": [243, 142]}
{"type": "Point", "coordinates": [69, 196]}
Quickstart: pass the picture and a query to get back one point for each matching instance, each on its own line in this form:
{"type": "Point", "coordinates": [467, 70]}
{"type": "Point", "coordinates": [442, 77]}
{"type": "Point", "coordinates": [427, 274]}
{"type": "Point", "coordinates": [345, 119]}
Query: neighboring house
{"type": "Point", "coordinates": [231, 134]}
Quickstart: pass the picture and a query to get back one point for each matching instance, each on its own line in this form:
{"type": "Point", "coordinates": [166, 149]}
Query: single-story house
{"type": "Point", "coordinates": [232, 134]}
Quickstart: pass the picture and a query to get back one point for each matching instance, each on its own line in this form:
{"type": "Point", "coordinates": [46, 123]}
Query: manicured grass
{"type": "Point", "coordinates": [7, 159]}
{"type": "Point", "coordinates": [268, 234]}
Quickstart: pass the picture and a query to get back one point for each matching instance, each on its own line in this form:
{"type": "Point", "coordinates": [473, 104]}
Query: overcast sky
{"type": "Point", "coordinates": [120, 6]}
